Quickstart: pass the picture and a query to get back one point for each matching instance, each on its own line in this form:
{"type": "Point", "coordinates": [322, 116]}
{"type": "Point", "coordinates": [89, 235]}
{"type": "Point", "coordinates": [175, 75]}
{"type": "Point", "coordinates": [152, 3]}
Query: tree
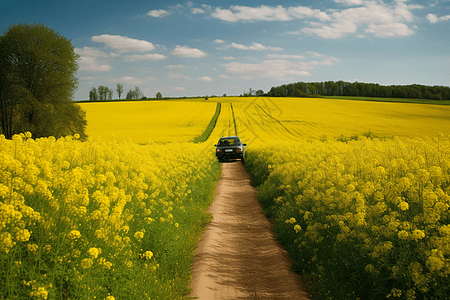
{"type": "Point", "coordinates": [130, 95]}
{"type": "Point", "coordinates": [38, 82]}
{"type": "Point", "coordinates": [119, 89]}
{"type": "Point", "coordinates": [259, 93]}
{"type": "Point", "coordinates": [93, 95]}
{"type": "Point", "coordinates": [137, 93]}
{"type": "Point", "coordinates": [110, 93]}
{"type": "Point", "coordinates": [158, 95]}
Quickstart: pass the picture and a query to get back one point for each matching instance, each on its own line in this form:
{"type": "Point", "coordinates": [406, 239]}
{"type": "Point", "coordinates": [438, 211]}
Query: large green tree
{"type": "Point", "coordinates": [37, 83]}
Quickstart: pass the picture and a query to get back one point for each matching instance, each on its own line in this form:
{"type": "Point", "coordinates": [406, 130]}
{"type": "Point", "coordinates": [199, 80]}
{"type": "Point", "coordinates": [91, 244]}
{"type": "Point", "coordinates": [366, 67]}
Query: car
{"type": "Point", "coordinates": [230, 148]}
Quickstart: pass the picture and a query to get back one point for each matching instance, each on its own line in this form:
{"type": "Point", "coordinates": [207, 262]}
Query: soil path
{"type": "Point", "coordinates": [237, 256]}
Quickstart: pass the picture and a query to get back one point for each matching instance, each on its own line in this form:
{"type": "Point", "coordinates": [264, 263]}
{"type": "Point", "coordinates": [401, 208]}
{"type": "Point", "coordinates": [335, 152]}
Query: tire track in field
{"type": "Point", "coordinates": [237, 256]}
{"type": "Point", "coordinates": [278, 121]}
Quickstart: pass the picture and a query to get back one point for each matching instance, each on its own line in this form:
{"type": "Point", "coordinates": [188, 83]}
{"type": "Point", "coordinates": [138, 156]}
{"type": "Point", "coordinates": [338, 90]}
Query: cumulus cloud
{"type": "Point", "coordinates": [224, 76]}
{"type": "Point", "coordinates": [185, 51]}
{"type": "Point", "coordinates": [205, 78]}
{"type": "Point", "coordinates": [90, 63]}
{"type": "Point", "coordinates": [362, 18]}
{"type": "Point", "coordinates": [285, 56]}
{"type": "Point", "coordinates": [433, 18]}
{"type": "Point", "coordinates": [219, 41]}
{"type": "Point", "coordinates": [158, 13]}
{"type": "Point", "coordinates": [123, 43]}
{"type": "Point", "coordinates": [93, 52]}
{"type": "Point", "coordinates": [228, 57]}
{"type": "Point", "coordinates": [177, 76]}
{"type": "Point", "coordinates": [175, 66]}
{"type": "Point", "coordinates": [349, 2]}
{"type": "Point", "coordinates": [133, 80]}
{"type": "Point", "coordinates": [245, 13]}
{"type": "Point", "coordinates": [374, 18]}
{"type": "Point", "coordinates": [256, 47]}
{"type": "Point", "coordinates": [195, 11]}
{"type": "Point", "coordinates": [153, 57]}
{"type": "Point", "coordinates": [276, 68]}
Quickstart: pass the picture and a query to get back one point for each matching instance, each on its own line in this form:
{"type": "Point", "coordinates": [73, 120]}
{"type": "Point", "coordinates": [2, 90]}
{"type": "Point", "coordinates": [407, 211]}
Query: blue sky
{"type": "Point", "coordinates": [189, 48]}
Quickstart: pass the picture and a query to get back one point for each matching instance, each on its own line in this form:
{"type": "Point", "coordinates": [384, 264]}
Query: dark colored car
{"type": "Point", "coordinates": [230, 148]}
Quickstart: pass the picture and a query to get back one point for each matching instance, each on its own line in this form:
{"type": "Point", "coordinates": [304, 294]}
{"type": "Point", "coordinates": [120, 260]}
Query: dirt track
{"type": "Point", "coordinates": [238, 257]}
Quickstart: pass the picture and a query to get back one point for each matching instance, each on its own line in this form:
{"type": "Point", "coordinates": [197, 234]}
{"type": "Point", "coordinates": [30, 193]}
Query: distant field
{"type": "Point", "coordinates": [147, 121]}
{"type": "Point", "coordinates": [398, 100]}
{"type": "Point", "coordinates": [263, 119]}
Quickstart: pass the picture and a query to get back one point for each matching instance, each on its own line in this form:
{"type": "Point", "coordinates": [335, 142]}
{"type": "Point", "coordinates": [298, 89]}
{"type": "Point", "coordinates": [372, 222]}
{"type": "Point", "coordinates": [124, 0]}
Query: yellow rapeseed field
{"type": "Point", "coordinates": [263, 119]}
{"type": "Point", "coordinates": [110, 218]}
{"type": "Point", "coordinates": [100, 219]}
{"type": "Point", "coordinates": [148, 121]}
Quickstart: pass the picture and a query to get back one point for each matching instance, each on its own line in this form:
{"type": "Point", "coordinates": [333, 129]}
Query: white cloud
{"type": "Point", "coordinates": [315, 54]}
{"type": "Point", "coordinates": [228, 57]}
{"type": "Point", "coordinates": [205, 78]}
{"type": "Point", "coordinates": [381, 18]}
{"type": "Point", "coordinates": [224, 76]}
{"type": "Point", "coordinates": [93, 52]}
{"type": "Point", "coordinates": [153, 57]}
{"type": "Point", "coordinates": [178, 76]}
{"type": "Point", "coordinates": [376, 18]}
{"type": "Point", "coordinates": [432, 18]}
{"type": "Point", "coordinates": [256, 47]}
{"type": "Point", "coordinates": [285, 56]}
{"type": "Point", "coordinates": [219, 41]}
{"type": "Point", "coordinates": [175, 66]}
{"type": "Point", "coordinates": [133, 80]}
{"type": "Point", "coordinates": [301, 12]}
{"type": "Point", "coordinates": [89, 78]}
{"type": "Point", "coordinates": [195, 11]}
{"type": "Point", "coordinates": [185, 51]}
{"type": "Point", "coordinates": [89, 63]}
{"type": "Point", "coordinates": [159, 13]}
{"type": "Point", "coordinates": [389, 30]}
{"type": "Point", "coordinates": [349, 2]}
{"type": "Point", "coordinates": [123, 43]}
{"type": "Point", "coordinates": [276, 68]}
{"type": "Point", "coordinates": [245, 13]}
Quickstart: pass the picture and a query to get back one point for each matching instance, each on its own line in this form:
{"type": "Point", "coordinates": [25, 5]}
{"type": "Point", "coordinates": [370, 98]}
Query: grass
{"type": "Point", "coordinates": [209, 129]}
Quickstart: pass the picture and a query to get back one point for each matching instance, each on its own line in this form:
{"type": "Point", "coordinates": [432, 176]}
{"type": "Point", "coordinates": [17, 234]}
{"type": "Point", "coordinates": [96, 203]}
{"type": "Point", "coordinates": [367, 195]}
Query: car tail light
{"type": "Point", "coordinates": [219, 150]}
{"type": "Point", "coordinates": [238, 150]}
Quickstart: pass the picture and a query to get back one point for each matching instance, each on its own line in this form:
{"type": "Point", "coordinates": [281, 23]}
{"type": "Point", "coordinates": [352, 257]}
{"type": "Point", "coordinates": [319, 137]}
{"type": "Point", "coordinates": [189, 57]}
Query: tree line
{"type": "Point", "coordinates": [105, 93]}
{"type": "Point", "coordinates": [343, 88]}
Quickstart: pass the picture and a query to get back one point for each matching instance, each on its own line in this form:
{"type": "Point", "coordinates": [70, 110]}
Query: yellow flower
{"type": "Point", "coordinates": [139, 235]}
{"type": "Point", "coordinates": [147, 255]}
{"type": "Point", "coordinates": [40, 293]}
{"type": "Point", "coordinates": [403, 234]}
{"type": "Point", "coordinates": [369, 268]}
{"type": "Point", "coordinates": [435, 261]}
{"type": "Point", "coordinates": [403, 205]}
{"type": "Point", "coordinates": [23, 235]}
{"type": "Point", "coordinates": [418, 234]}
{"type": "Point", "coordinates": [32, 248]}
{"type": "Point", "coordinates": [94, 252]}
{"type": "Point", "coordinates": [74, 234]}
{"type": "Point", "coordinates": [297, 228]}
{"type": "Point", "coordinates": [86, 263]}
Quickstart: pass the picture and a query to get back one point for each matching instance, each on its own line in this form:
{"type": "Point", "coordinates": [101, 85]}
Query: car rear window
{"type": "Point", "coordinates": [229, 142]}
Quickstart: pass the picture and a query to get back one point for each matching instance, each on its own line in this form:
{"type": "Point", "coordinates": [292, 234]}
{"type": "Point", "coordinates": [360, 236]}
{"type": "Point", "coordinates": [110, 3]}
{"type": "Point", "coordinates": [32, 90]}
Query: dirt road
{"type": "Point", "coordinates": [238, 257]}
